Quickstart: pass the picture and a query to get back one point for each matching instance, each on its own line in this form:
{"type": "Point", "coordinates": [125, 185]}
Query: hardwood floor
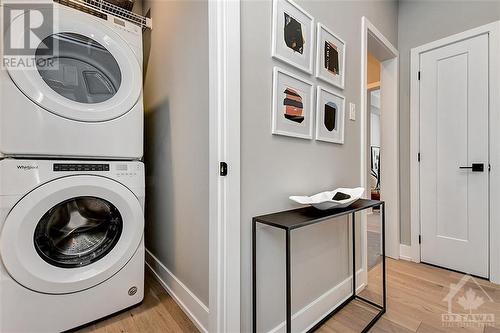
{"type": "Point", "coordinates": [415, 304]}
{"type": "Point", "coordinates": [415, 301]}
{"type": "Point", "coordinates": [158, 313]}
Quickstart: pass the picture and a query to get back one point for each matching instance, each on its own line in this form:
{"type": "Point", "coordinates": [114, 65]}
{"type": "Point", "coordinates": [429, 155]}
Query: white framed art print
{"type": "Point", "coordinates": [330, 116]}
{"type": "Point", "coordinates": [293, 35]}
{"type": "Point", "coordinates": [330, 53]}
{"type": "Point", "coordinates": [292, 109]}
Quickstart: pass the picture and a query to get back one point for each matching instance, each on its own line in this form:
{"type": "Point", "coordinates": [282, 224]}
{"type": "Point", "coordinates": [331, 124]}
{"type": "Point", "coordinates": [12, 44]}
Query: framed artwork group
{"type": "Point", "coordinates": [293, 96]}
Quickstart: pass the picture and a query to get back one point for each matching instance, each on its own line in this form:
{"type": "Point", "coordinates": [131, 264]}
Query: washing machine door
{"type": "Point", "coordinates": [82, 70]}
{"type": "Point", "coordinates": [71, 234]}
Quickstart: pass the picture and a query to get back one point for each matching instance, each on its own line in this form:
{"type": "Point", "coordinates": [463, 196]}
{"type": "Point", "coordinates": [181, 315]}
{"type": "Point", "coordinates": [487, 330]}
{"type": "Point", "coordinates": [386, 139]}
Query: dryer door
{"type": "Point", "coordinates": [82, 69]}
{"type": "Point", "coordinates": [71, 234]}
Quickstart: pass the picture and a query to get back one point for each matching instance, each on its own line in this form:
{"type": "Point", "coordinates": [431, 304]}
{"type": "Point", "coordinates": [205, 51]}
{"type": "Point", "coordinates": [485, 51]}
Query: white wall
{"type": "Point", "coordinates": [274, 167]}
{"type": "Point", "coordinates": [176, 142]}
{"type": "Point", "coordinates": [421, 22]}
{"type": "Point", "coordinates": [375, 118]}
{"type": "Point", "coordinates": [375, 129]}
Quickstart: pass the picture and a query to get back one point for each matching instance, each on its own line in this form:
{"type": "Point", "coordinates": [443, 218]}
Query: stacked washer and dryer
{"type": "Point", "coordinates": [71, 180]}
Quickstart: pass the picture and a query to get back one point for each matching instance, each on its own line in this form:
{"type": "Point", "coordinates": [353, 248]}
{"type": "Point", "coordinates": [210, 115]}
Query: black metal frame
{"type": "Point", "coordinates": [382, 308]}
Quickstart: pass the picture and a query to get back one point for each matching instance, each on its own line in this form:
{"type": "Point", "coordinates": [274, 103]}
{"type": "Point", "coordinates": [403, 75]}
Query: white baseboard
{"type": "Point", "coordinates": [311, 314]}
{"type": "Point", "coordinates": [185, 298]}
{"type": "Point", "coordinates": [405, 252]}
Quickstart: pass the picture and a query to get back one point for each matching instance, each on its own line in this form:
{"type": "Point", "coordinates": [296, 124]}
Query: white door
{"type": "Point", "coordinates": [453, 138]}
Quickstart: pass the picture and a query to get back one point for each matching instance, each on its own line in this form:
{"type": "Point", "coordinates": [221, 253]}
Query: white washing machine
{"type": "Point", "coordinates": [71, 242]}
{"type": "Point", "coordinates": [87, 102]}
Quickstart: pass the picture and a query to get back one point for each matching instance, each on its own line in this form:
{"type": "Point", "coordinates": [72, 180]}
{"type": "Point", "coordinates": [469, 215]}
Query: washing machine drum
{"type": "Point", "coordinates": [78, 232]}
{"type": "Point", "coordinates": [81, 69]}
{"type": "Point", "coordinates": [71, 234]}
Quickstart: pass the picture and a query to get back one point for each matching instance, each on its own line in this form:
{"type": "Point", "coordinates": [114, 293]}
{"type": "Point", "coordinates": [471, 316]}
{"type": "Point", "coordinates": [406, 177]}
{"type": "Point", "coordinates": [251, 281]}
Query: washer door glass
{"type": "Point", "coordinates": [78, 232]}
{"type": "Point", "coordinates": [80, 69]}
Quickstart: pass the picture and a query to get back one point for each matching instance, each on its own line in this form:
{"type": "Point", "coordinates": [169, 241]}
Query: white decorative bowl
{"type": "Point", "coordinates": [323, 200]}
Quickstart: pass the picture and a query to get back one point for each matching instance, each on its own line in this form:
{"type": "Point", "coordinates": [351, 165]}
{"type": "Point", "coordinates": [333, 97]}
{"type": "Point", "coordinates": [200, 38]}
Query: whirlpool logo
{"type": "Point", "coordinates": [27, 167]}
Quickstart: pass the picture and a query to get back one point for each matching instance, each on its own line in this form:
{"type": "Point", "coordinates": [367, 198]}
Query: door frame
{"type": "Point", "coordinates": [371, 37]}
{"type": "Point", "coordinates": [224, 143]}
{"type": "Point", "coordinates": [493, 30]}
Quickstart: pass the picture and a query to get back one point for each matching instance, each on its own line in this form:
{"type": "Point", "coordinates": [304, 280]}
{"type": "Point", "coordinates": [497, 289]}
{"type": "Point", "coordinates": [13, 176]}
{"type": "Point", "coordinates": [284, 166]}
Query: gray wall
{"type": "Point", "coordinates": [176, 143]}
{"type": "Point", "coordinates": [421, 22]}
{"type": "Point", "coordinates": [274, 167]}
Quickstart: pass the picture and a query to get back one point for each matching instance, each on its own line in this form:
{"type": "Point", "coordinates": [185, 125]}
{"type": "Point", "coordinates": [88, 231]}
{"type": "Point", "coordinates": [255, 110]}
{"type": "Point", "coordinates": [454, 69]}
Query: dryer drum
{"type": "Point", "coordinates": [78, 68]}
{"type": "Point", "coordinates": [78, 232]}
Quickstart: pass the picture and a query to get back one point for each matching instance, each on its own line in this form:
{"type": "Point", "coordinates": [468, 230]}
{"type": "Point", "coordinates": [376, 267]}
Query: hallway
{"type": "Point", "coordinates": [415, 301]}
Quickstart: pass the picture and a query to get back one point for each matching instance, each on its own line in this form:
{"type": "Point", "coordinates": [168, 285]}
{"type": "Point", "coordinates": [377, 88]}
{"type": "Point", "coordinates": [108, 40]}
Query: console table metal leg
{"type": "Point", "coordinates": [254, 278]}
{"type": "Point", "coordinates": [288, 285]}
{"type": "Point", "coordinates": [353, 255]}
{"type": "Point", "coordinates": [382, 308]}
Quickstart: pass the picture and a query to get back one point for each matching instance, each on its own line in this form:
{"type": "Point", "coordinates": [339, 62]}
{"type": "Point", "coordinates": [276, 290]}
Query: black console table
{"type": "Point", "coordinates": [302, 217]}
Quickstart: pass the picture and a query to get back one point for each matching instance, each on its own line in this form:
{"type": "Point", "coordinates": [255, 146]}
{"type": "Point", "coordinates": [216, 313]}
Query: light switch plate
{"type": "Point", "coordinates": [352, 111]}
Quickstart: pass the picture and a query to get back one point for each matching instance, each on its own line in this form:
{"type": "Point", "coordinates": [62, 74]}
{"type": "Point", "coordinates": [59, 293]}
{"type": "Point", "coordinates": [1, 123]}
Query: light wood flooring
{"type": "Point", "coordinates": [415, 301]}
{"type": "Point", "coordinates": [158, 313]}
{"type": "Point", "coordinates": [415, 304]}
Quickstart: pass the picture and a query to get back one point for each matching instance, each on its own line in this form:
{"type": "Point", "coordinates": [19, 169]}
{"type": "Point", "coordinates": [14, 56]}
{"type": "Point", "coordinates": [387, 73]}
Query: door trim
{"type": "Point", "coordinates": [493, 31]}
{"type": "Point", "coordinates": [224, 143]}
{"type": "Point", "coordinates": [389, 76]}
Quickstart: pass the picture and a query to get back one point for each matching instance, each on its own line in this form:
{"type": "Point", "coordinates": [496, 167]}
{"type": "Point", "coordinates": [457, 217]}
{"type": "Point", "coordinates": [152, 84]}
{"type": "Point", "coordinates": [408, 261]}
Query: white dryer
{"type": "Point", "coordinates": [71, 242]}
{"type": "Point", "coordinates": [84, 96]}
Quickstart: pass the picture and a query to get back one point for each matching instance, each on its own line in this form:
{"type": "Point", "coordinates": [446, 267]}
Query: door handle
{"type": "Point", "coordinates": [476, 167]}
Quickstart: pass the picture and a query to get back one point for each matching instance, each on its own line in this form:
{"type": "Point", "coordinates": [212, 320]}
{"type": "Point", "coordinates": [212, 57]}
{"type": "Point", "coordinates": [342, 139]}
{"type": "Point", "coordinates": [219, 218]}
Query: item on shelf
{"type": "Point", "coordinates": [331, 199]}
{"type": "Point", "coordinates": [341, 196]}
{"type": "Point", "coordinates": [125, 4]}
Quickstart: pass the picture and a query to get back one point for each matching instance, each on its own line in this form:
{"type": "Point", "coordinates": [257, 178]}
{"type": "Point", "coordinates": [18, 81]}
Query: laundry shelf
{"type": "Point", "coordinates": [105, 7]}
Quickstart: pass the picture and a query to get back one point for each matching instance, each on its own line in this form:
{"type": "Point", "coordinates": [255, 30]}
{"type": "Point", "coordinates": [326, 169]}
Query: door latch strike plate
{"type": "Point", "coordinates": [223, 169]}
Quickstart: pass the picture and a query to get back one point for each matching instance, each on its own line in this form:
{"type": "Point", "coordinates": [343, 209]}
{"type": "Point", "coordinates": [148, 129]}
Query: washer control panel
{"type": "Point", "coordinates": [80, 167]}
{"type": "Point", "coordinates": [126, 170]}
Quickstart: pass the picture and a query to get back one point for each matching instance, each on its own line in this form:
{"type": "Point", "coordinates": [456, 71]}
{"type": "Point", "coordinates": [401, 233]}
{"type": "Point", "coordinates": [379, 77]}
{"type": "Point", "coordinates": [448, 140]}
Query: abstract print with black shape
{"type": "Point", "coordinates": [330, 120]}
{"type": "Point", "coordinates": [293, 34]}
{"type": "Point", "coordinates": [294, 109]}
{"type": "Point", "coordinates": [331, 58]}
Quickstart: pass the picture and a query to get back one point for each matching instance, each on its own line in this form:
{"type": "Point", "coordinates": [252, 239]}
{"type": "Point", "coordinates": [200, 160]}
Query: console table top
{"type": "Point", "coordinates": [301, 217]}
